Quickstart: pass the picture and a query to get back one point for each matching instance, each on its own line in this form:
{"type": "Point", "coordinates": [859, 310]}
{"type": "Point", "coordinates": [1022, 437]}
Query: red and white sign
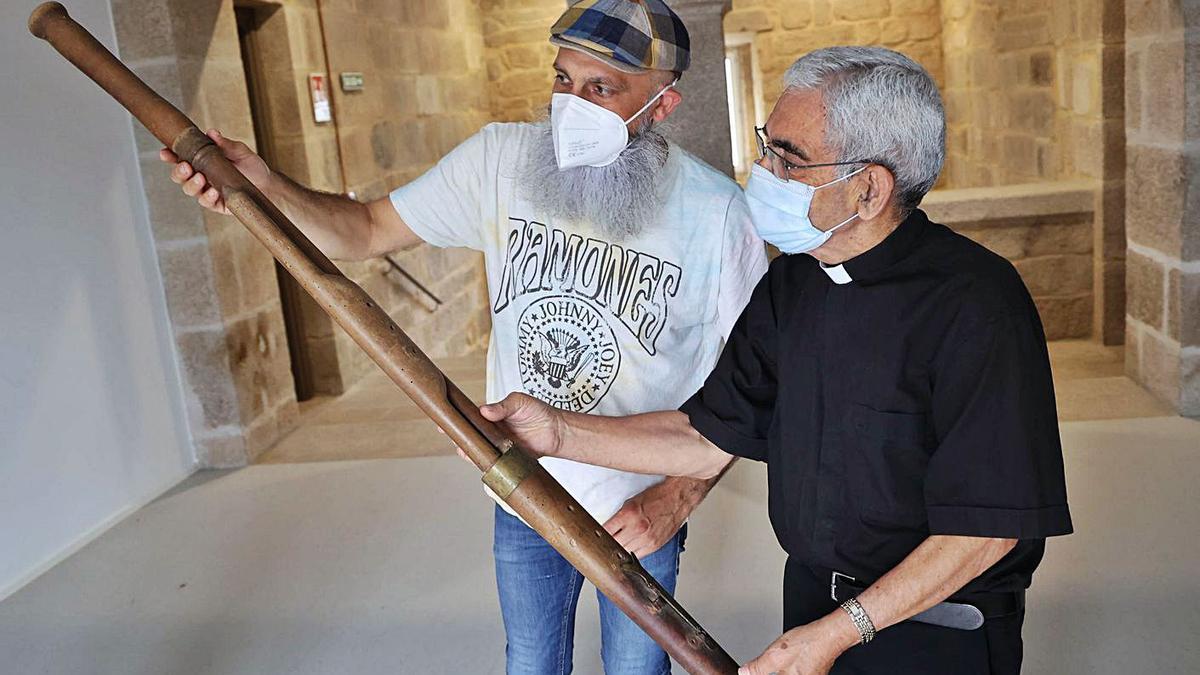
{"type": "Point", "coordinates": [318, 86]}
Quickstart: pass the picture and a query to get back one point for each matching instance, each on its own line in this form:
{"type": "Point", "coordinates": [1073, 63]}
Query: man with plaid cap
{"type": "Point", "coordinates": [617, 264]}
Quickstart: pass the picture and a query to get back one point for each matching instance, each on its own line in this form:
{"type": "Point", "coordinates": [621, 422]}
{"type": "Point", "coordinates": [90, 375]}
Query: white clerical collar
{"type": "Point", "coordinates": [837, 273]}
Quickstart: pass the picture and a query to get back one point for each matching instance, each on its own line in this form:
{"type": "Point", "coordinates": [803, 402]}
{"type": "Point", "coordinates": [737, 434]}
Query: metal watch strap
{"type": "Point", "coordinates": [866, 628]}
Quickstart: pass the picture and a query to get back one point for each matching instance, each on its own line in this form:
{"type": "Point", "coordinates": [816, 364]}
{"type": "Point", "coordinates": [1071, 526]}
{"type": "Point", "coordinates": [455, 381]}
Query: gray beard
{"type": "Point", "coordinates": [619, 200]}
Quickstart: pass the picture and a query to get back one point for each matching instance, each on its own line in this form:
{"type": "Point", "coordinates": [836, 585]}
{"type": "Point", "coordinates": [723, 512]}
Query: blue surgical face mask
{"type": "Point", "coordinates": [780, 211]}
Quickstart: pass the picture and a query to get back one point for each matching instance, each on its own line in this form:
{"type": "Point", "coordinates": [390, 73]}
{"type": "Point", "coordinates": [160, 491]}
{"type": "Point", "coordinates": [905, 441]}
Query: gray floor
{"type": "Point", "coordinates": [383, 566]}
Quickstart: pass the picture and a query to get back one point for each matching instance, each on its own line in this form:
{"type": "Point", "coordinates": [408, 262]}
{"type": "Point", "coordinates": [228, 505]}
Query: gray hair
{"type": "Point", "coordinates": [883, 108]}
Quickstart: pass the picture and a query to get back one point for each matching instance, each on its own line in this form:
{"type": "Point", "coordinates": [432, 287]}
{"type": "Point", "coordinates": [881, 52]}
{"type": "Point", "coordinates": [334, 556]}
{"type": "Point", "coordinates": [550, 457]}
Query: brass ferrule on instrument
{"type": "Point", "coordinates": [506, 475]}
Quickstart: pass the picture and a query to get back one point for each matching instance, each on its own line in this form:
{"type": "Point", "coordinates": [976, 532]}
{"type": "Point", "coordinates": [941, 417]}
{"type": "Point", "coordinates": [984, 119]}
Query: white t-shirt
{"type": "Point", "coordinates": [587, 324]}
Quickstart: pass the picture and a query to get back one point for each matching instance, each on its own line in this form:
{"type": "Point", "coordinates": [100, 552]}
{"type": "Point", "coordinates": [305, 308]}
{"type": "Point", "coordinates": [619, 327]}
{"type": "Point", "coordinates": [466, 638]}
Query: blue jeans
{"type": "Point", "coordinates": [539, 591]}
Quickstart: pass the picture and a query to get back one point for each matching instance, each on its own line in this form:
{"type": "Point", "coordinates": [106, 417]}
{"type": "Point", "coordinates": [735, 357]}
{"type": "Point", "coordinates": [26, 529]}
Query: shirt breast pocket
{"type": "Point", "coordinates": [887, 454]}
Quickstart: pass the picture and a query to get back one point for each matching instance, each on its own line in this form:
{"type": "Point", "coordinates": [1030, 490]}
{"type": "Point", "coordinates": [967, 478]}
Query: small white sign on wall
{"type": "Point", "coordinates": [318, 86]}
{"type": "Point", "coordinates": [352, 81]}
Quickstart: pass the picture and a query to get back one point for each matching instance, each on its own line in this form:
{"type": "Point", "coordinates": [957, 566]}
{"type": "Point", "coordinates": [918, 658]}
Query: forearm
{"type": "Point", "coordinates": [691, 490]}
{"type": "Point", "coordinates": [341, 227]}
{"type": "Point", "coordinates": [934, 571]}
{"type": "Point", "coordinates": [696, 489]}
{"type": "Point", "coordinates": [655, 443]}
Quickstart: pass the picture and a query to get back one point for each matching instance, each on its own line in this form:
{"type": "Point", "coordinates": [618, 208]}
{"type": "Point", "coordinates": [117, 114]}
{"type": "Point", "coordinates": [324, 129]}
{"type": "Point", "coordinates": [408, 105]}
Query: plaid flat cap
{"type": "Point", "coordinates": [630, 35]}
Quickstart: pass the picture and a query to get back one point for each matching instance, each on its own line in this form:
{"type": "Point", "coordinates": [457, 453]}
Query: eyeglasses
{"type": "Point", "coordinates": [782, 168]}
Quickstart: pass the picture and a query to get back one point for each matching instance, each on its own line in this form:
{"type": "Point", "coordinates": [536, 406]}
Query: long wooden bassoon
{"type": "Point", "coordinates": [510, 472]}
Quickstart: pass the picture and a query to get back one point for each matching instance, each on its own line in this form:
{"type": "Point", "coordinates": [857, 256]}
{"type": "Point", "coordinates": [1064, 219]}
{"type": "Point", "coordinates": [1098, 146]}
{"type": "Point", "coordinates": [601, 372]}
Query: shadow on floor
{"type": "Point", "coordinates": [375, 420]}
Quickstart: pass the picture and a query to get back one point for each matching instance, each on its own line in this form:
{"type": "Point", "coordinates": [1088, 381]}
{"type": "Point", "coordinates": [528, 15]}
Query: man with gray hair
{"type": "Point", "coordinates": [894, 379]}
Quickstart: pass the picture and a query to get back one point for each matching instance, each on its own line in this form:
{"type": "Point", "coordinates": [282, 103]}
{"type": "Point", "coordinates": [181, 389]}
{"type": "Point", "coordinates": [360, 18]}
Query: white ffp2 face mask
{"type": "Point", "coordinates": [779, 209]}
{"type": "Point", "coordinates": [586, 134]}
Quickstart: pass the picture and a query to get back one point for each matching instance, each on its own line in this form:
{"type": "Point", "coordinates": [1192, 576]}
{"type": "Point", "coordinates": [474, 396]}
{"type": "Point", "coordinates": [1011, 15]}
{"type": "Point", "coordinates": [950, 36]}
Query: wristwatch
{"type": "Point", "coordinates": [866, 628]}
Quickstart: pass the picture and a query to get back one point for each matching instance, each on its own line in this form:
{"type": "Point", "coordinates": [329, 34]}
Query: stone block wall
{"type": "Point", "coordinates": [519, 56]}
{"type": "Point", "coordinates": [289, 38]}
{"type": "Point", "coordinates": [425, 85]}
{"type": "Point", "coordinates": [1045, 230]}
{"type": "Point", "coordinates": [784, 30]}
{"type": "Point", "coordinates": [1163, 207]}
{"type": "Point", "coordinates": [1024, 94]}
{"type": "Point", "coordinates": [1032, 89]}
{"type": "Point", "coordinates": [220, 283]}
{"type": "Point", "coordinates": [1033, 93]}
{"type": "Point", "coordinates": [293, 49]}
{"type": "Point", "coordinates": [426, 90]}
{"type": "Point", "coordinates": [1029, 94]}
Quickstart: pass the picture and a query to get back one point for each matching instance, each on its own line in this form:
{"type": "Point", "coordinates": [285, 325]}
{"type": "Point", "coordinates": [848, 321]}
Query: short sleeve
{"type": "Point", "coordinates": [735, 406]}
{"type": "Point", "coordinates": [444, 205]}
{"type": "Point", "coordinates": [997, 470]}
{"type": "Point", "coordinates": [743, 263]}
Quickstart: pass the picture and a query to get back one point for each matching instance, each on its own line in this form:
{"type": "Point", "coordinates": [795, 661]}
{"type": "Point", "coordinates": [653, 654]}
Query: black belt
{"type": "Point", "coordinates": [964, 612]}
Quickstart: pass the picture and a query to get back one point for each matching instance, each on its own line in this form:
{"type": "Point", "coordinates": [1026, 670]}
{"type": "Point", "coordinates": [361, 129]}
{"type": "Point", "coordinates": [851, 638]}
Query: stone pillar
{"type": "Point", "coordinates": [1108, 245]}
{"type": "Point", "coordinates": [1163, 199]}
{"type": "Point", "coordinates": [701, 124]}
{"type": "Point", "coordinates": [220, 286]}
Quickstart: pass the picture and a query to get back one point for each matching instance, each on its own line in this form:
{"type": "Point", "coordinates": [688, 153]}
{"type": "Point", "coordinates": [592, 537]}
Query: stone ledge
{"type": "Point", "coordinates": [1007, 202]}
{"type": "Point", "coordinates": [682, 5]}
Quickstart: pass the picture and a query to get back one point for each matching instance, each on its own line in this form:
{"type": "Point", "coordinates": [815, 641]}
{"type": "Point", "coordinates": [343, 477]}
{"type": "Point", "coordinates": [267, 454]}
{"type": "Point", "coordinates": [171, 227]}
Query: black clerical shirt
{"type": "Point", "coordinates": [911, 399]}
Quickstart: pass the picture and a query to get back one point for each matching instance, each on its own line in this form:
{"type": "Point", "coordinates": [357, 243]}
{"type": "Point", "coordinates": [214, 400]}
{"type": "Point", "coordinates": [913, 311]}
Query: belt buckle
{"type": "Point", "coordinates": [833, 582]}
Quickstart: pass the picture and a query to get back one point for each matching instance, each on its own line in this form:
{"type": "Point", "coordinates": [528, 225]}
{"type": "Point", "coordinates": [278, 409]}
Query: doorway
{"type": "Point", "coordinates": [255, 43]}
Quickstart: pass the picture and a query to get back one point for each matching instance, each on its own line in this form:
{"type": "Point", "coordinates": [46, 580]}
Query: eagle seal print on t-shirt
{"type": "Point", "coordinates": [586, 289]}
